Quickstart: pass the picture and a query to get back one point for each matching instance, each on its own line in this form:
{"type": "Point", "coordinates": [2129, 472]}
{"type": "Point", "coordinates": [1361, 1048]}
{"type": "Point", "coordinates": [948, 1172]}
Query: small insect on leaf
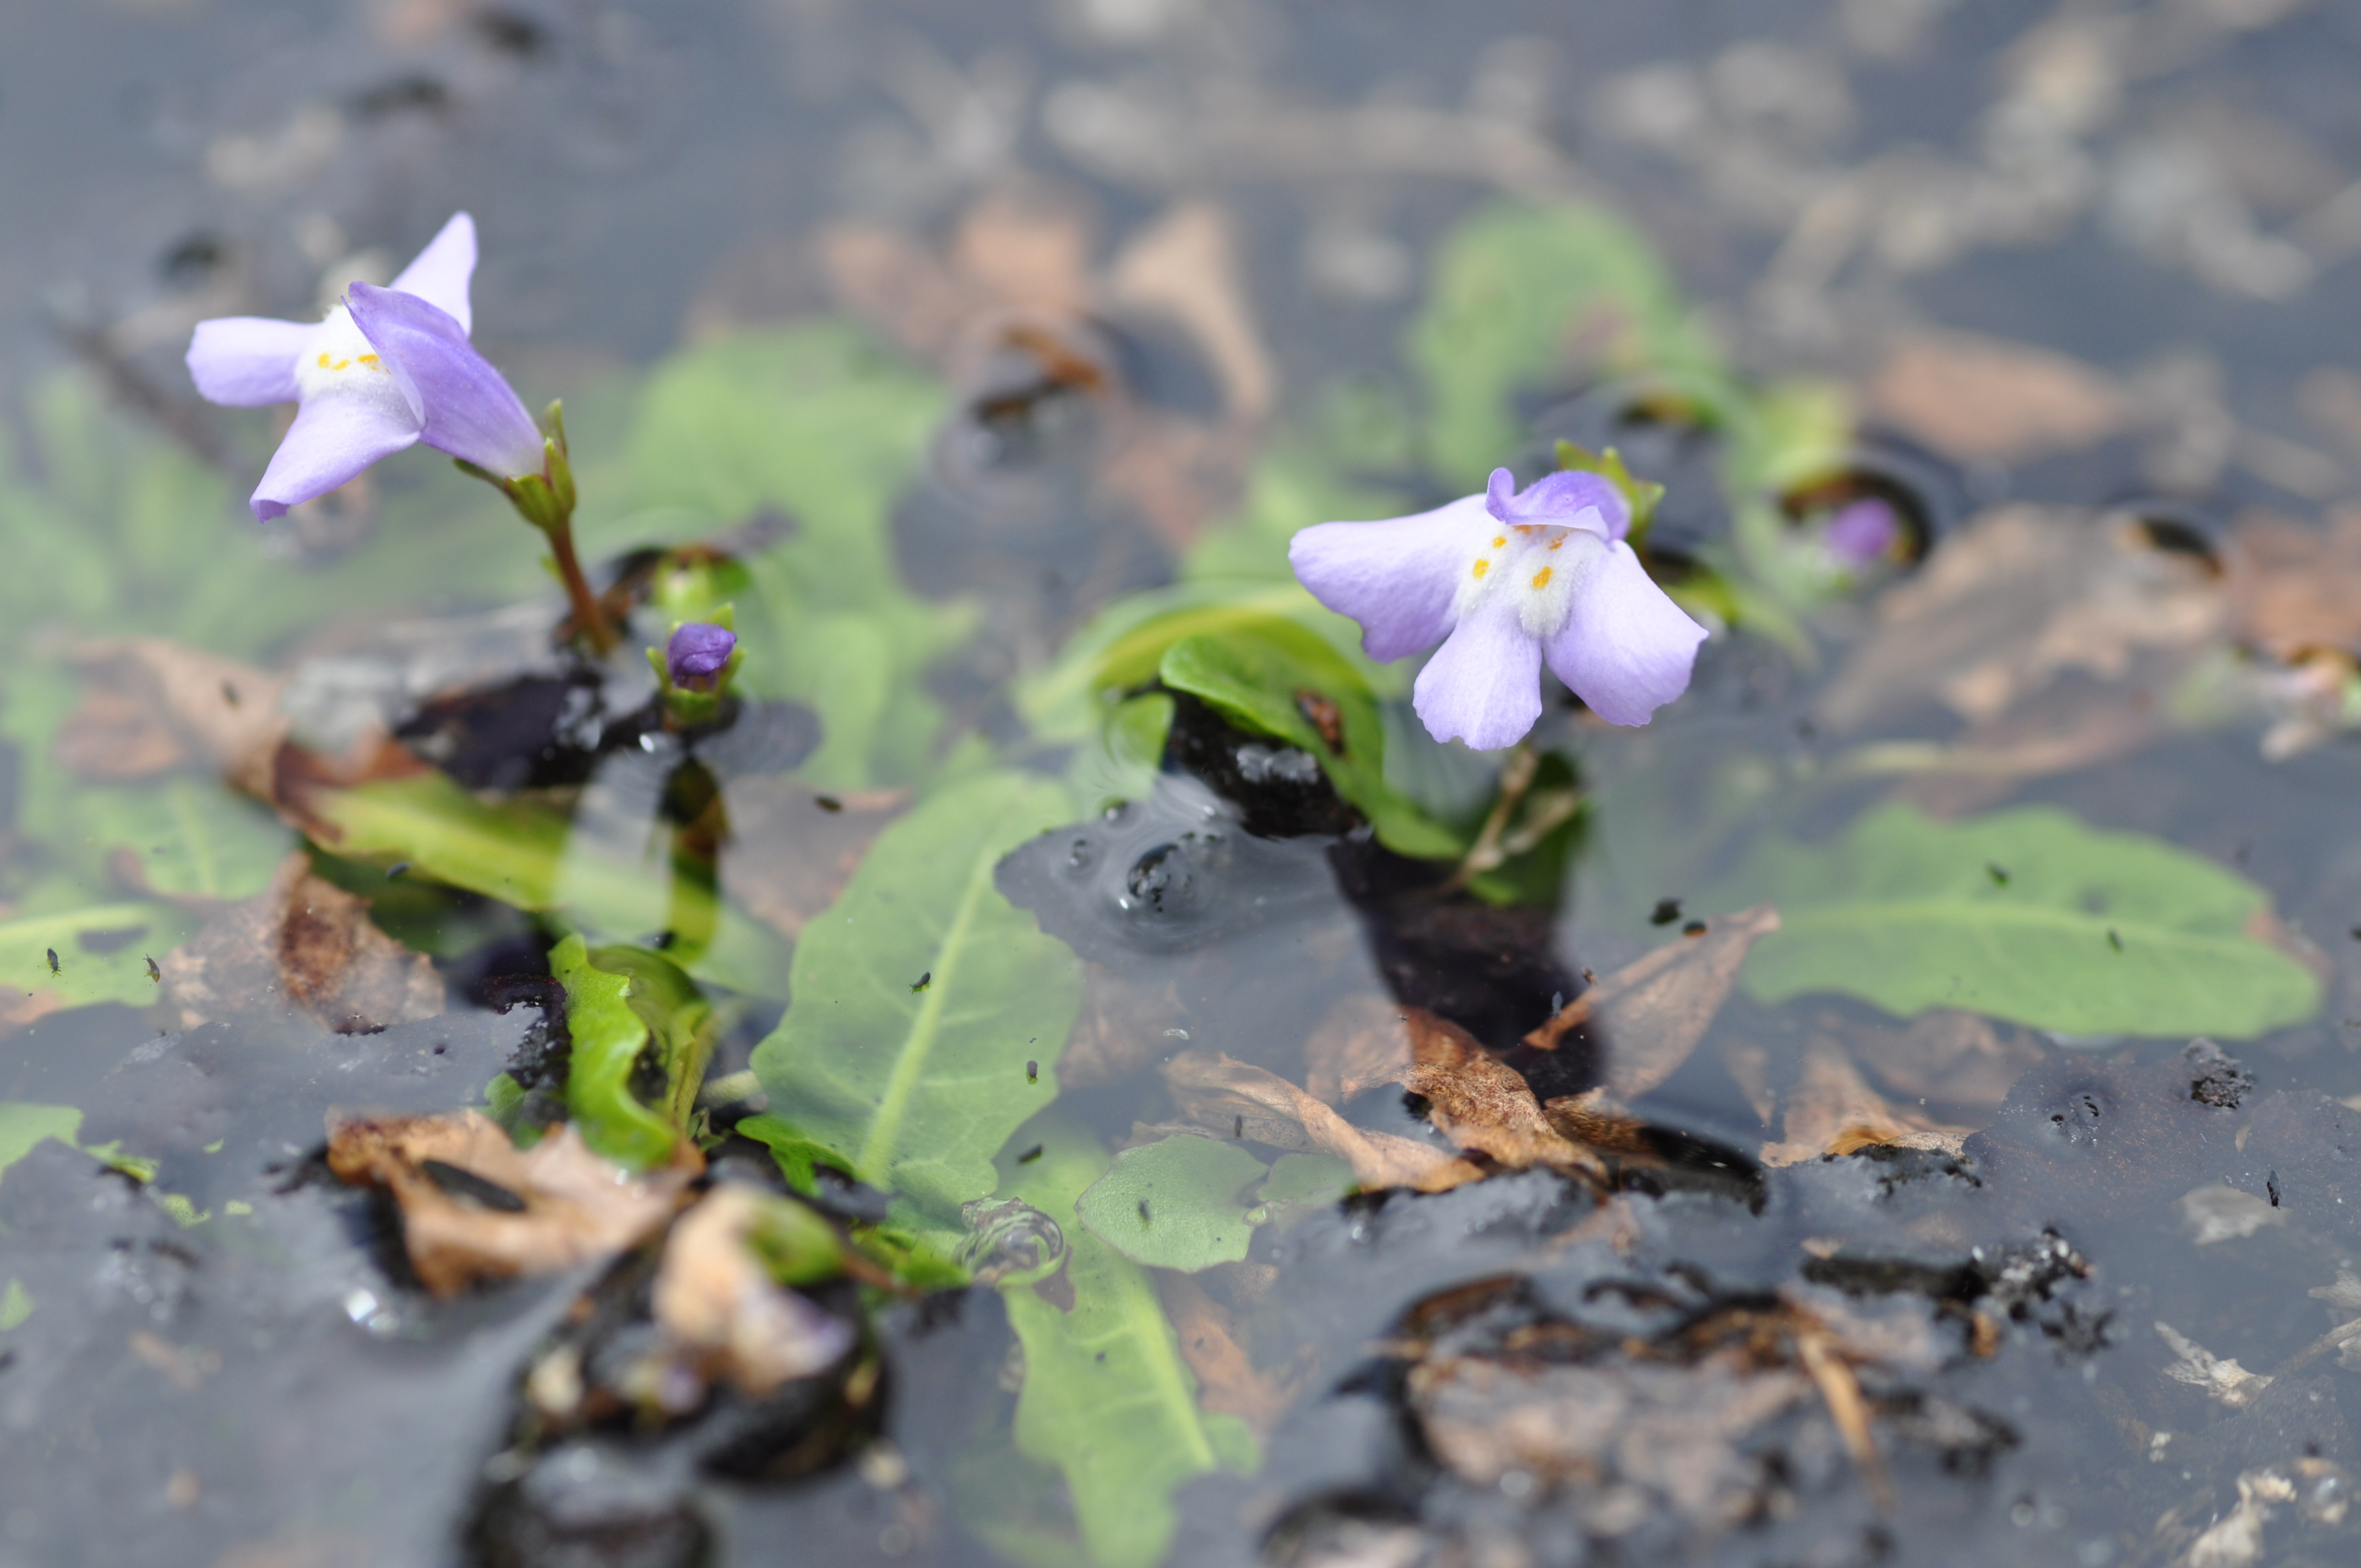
{"type": "Point", "coordinates": [2114, 939]}
{"type": "Point", "coordinates": [1324, 716]}
{"type": "Point", "coordinates": [1032, 1072]}
{"type": "Point", "coordinates": [1667, 911]}
{"type": "Point", "coordinates": [924, 980]}
{"type": "Point", "coordinates": [229, 694]}
{"type": "Point", "coordinates": [53, 959]}
{"type": "Point", "coordinates": [153, 972]}
{"type": "Point", "coordinates": [397, 870]}
{"type": "Point", "coordinates": [827, 803]}
{"type": "Point", "coordinates": [1143, 1215]}
{"type": "Point", "coordinates": [1694, 928]}
{"type": "Point", "coordinates": [1999, 873]}
{"type": "Point", "coordinates": [1029, 1156]}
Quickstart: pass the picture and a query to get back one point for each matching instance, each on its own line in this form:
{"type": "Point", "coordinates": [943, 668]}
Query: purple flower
{"type": "Point", "coordinates": [1502, 581]}
{"type": "Point", "coordinates": [1862, 531]}
{"type": "Point", "coordinates": [697, 654]}
{"type": "Point", "coordinates": [387, 368]}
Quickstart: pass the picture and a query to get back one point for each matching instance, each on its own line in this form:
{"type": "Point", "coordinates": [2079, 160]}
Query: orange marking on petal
{"type": "Point", "coordinates": [1482, 567]}
{"type": "Point", "coordinates": [1541, 577]}
{"type": "Point", "coordinates": [1559, 542]}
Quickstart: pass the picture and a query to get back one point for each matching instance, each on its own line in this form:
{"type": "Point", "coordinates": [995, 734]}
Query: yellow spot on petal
{"type": "Point", "coordinates": [1500, 540]}
{"type": "Point", "coordinates": [1541, 577]}
{"type": "Point", "coordinates": [1482, 567]}
{"type": "Point", "coordinates": [370, 360]}
{"type": "Point", "coordinates": [324, 362]}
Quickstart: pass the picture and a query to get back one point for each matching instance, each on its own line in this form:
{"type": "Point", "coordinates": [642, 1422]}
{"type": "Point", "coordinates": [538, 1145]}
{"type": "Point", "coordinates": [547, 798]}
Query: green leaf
{"type": "Point", "coordinates": [194, 837]}
{"type": "Point", "coordinates": [1511, 287]}
{"type": "Point", "coordinates": [2092, 932]}
{"type": "Point", "coordinates": [795, 1153]}
{"type": "Point", "coordinates": [1270, 675]}
{"type": "Point", "coordinates": [821, 425]}
{"type": "Point", "coordinates": [795, 1244]}
{"type": "Point", "coordinates": [914, 1090]}
{"type": "Point", "coordinates": [525, 855]}
{"type": "Point", "coordinates": [1177, 1204]}
{"type": "Point", "coordinates": [16, 1305]}
{"type": "Point", "coordinates": [1106, 1397]}
{"type": "Point", "coordinates": [102, 952]}
{"type": "Point", "coordinates": [608, 1037]}
{"type": "Point", "coordinates": [24, 1125]}
{"type": "Point", "coordinates": [1314, 1180]}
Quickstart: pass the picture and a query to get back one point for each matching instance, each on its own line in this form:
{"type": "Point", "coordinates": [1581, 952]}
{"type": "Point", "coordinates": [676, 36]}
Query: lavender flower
{"type": "Point", "coordinates": [387, 368]}
{"type": "Point", "coordinates": [697, 654]}
{"type": "Point", "coordinates": [1504, 580]}
{"type": "Point", "coordinates": [1862, 531]}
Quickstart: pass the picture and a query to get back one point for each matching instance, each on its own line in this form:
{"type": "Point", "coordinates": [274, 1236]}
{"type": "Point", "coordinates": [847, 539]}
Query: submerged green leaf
{"type": "Point", "coordinates": [102, 952]}
{"type": "Point", "coordinates": [2093, 933]}
{"type": "Point", "coordinates": [526, 856]}
{"type": "Point", "coordinates": [1178, 1203]}
{"type": "Point", "coordinates": [916, 1090]}
{"type": "Point", "coordinates": [1275, 677]}
{"type": "Point", "coordinates": [1107, 1396]}
{"type": "Point", "coordinates": [1513, 287]}
{"type": "Point", "coordinates": [24, 1125]}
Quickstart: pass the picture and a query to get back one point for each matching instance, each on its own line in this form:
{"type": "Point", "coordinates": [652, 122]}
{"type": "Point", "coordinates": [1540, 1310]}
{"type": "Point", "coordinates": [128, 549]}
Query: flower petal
{"type": "Point", "coordinates": [332, 440]}
{"type": "Point", "coordinates": [1484, 686]}
{"type": "Point", "coordinates": [1626, 649]}
{"type": "Point", "coordinates": [246, 361]}
{"type": "Point", "coordinates": [440, 274]}
{"type": "Point", "coordinates": [471, 412]}
{"type": "Point", "coordinates": [1568, 499]}
{"type": "Point", "coordinates": [1396, 577]}
{"type": "Point", "coordinates": [698, 650]}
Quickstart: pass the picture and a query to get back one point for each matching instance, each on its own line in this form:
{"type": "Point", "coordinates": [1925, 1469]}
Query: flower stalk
{"type": "Point", "coordinates": [546, 500]}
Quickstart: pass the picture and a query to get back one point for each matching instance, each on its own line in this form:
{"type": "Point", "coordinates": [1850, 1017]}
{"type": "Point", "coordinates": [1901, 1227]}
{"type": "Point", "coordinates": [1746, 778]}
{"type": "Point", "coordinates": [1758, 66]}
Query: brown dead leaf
{"type": "Point", "coordinates": [1832, 1110]}
{"type": "Point", "coordinates": [791, 855]}
{"type": "Point", "coordinates": [723, 1311]}
{"type": "Point", "coordinates": [1360, 1042]}
{"type": "Point", "coordinates": [474, 1207]}
{"type": "Point", "coordinates": [1234, 1097]}
{"type": "Point", "coordinates": [1959, 1060]}
{"type": "Point", "coordinates": [2016, 599]}
{"type": "Point", "coordinates": [149, 706]}
{"type": "Point", "coordinates": [1119, 1028]}
{"type": "Point", "coordinates": [1653, 1011]}
{"type": "Point", "coordinates": [1227, 1382]}
{"type": "Point", "coordinates": [2294, 590]}
{"type": "Point", "coordinates": [1984, 399]}
{"type": "Point", "coordinates": [1185, 265]}
{"type": "Point", "coordinates": [2060, 731]}
{"type": "Point", "coordinates": [304, 944]}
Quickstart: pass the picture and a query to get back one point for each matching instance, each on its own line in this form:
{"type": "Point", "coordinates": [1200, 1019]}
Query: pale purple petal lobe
{"type": "Point", "coordinates": [246, 361]}
{"type": "Point", "coordinates": [332, 440]}
{"type": "Point", "coordinates": [1626, 649]}
{"type": "Point", "coordinates": [442, 271]}
{"type": "Point", "coordinates": [471, 411]}
{"type": "Point", "coordinates": [1397, 578]}
{"type": "Point", "coordinates": [1484, 686]}
{"type": "Point", "coordinates": [1568, 499]}
{"type": "Point", "coordinates": [1863, 532]}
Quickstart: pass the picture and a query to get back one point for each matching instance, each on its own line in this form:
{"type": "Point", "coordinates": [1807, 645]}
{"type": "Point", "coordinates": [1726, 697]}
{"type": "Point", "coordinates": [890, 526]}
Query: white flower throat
{"type": "Point", "coordinates": [1538, 566]}
{"type": "Point", "coordinates": [338, 361]}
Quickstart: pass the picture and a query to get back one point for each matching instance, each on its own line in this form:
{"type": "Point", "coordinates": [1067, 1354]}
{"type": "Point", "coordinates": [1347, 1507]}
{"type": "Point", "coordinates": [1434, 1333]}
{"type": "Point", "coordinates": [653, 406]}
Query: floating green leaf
{"type": "Point", "coordinates": [525, 855]}
{"type": "Point", "coordinates": [1513, 287]}
{"type": "Point", "coordinates": [1106, 1397]}
{"type": "Point", "coordinates": [16, 1305]}
{"type": "Point", "coordinates": [1178, 1203]}
{"type": "Point", "coordinates": [1273, 676]}
{"type": "Point", "coordinates": [193, 837]}
{"type": "Point", "coordinates": [1311, 1180]}
{"type": "Point", "coordinates": [911, 1089]}
{"type": "Point", "coordinates": [2092, 932]}
{"type": "Point", "coordinates": [102, 952]}
{"type": "Point", "coordinates": [24, 1125]}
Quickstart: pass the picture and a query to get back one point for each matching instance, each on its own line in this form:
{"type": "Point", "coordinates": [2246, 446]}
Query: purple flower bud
{"type": "Point", "coordinates": [1505, 581]}
{"type": "Point", "coordinates": [698, 654]}
{"type": "Point", "coordinates": [1863, 532]}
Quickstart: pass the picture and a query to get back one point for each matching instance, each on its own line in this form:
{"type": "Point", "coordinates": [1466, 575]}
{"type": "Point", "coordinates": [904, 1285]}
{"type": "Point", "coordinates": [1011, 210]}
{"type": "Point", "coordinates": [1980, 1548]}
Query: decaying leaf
{"type": "Point", "coordinates": [1984, 399]}
{"type": "Point", "coordinates": [149, 706]}
{"type": "Point", "coordinates": [1832, 1110]}
{"type": "Point", "coordinates": [1185, 265]}
{"type": "Point", "coordinates": [1123, 1024]}
{"type": "Point", "coordinates": [2223, 1381]}
{"type": "Point", "coordinates": [1949, 1057]}
{"type": "Point", "coordinates": [1227, 1380]}
{"type": "Point", "coordinates": [1654, 1010]}
{"type": "Point", "coordinates": [475, 1207]}
{"type": "Point", "coordinates": [724, 1313]}
{"type": "Point", "coordinates": [2019, 597]}
{"type": "Point", "coordinates": [2294, 590]}
{"type": "Point", "coordinates": [302, 945]}
{"type": "Point", "coordinates": [1234, 1097]}
{"type": "Point", "coordinates": [805, 845]}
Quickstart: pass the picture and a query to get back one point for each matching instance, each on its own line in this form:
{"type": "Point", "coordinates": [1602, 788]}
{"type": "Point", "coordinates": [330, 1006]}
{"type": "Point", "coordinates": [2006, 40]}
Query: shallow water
{"type": "Point", "coordinates": [972, 339]}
